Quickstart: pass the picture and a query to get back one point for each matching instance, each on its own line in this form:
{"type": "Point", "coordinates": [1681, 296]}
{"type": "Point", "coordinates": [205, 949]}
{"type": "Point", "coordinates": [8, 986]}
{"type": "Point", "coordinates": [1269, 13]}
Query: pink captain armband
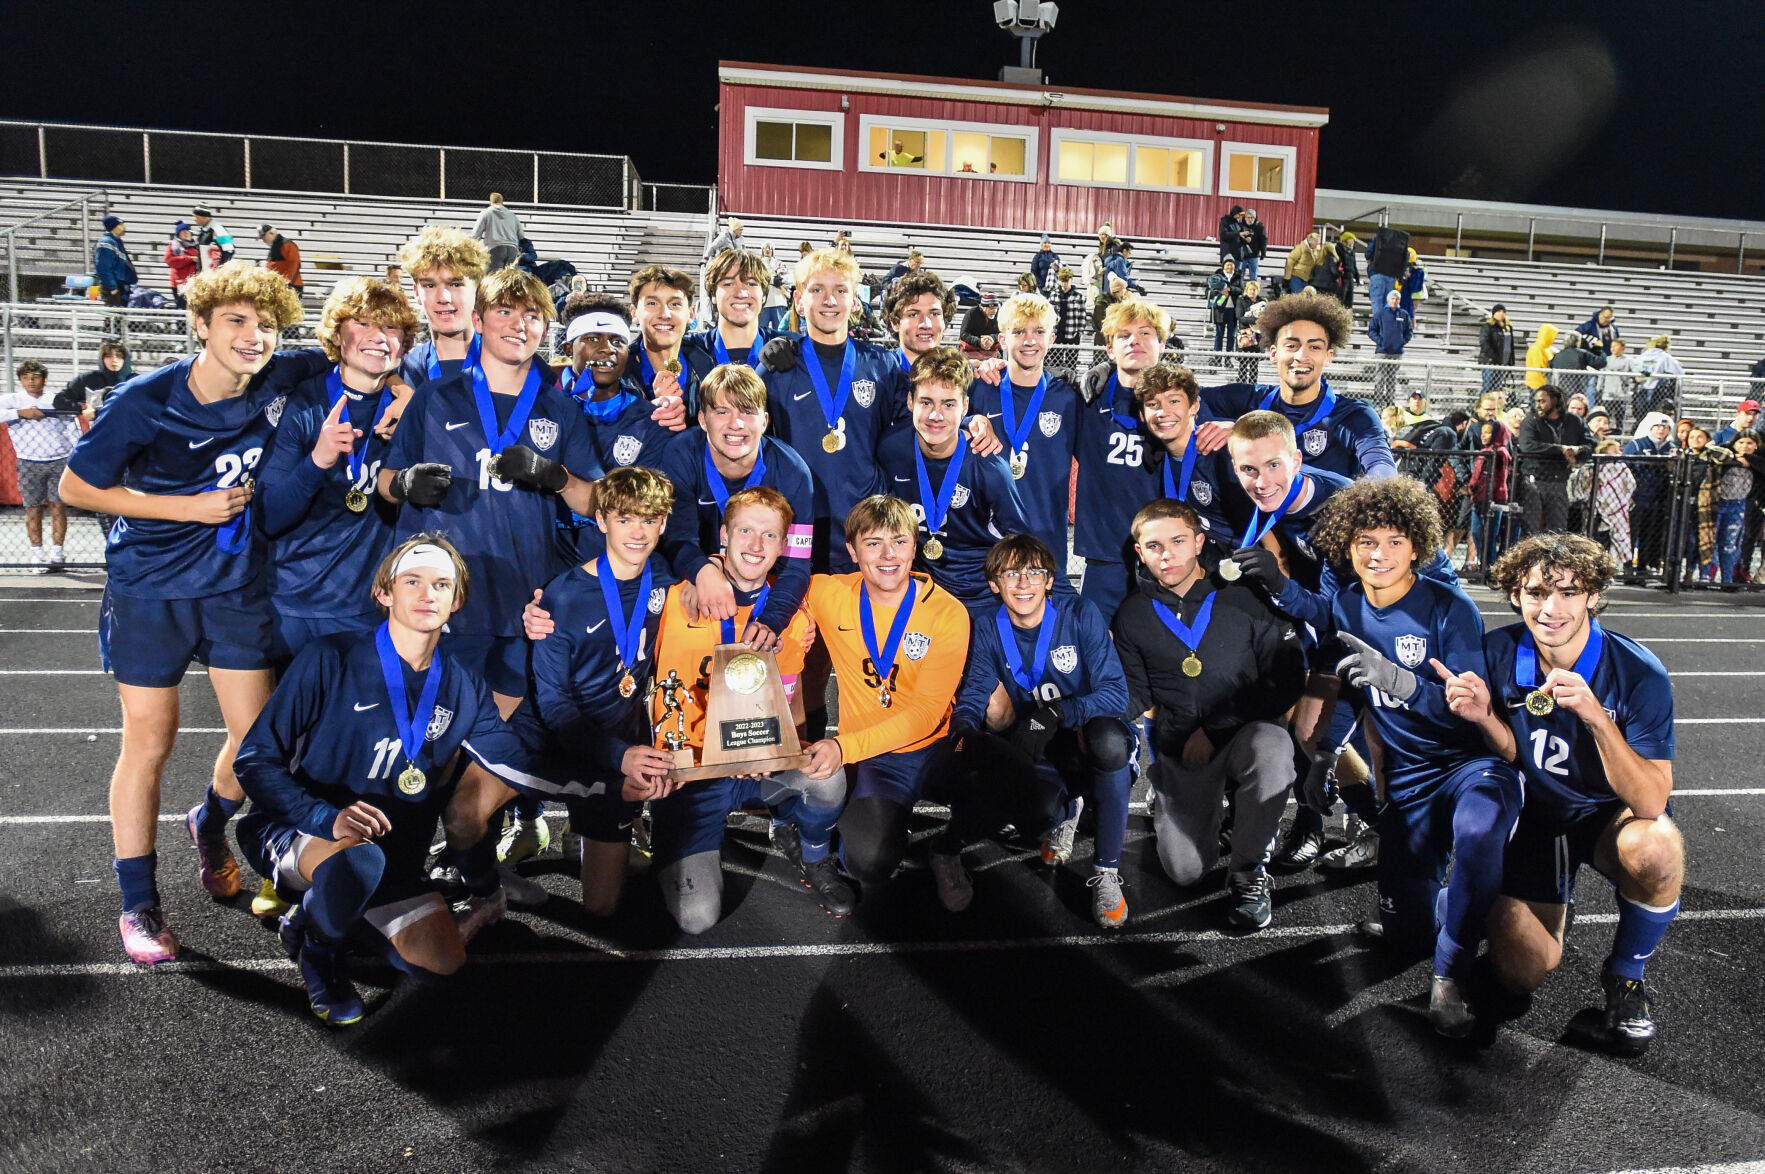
{"type": "Point", "coordinates": [799, 541]}
{"type": "Point", "coordinates": [790, 685]}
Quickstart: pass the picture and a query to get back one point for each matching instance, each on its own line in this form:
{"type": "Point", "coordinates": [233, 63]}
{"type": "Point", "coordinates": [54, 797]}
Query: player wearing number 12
{"type": "Point", "coordinates": [172, 455]}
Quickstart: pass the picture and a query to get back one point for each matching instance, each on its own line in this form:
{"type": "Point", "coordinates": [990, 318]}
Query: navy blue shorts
{"type": "Point", "coordinates": [1548, 850]}
{"type": "Point", "coordinates": [597, 810]}
{"type": "Point", "coordinates": [1106, 585]}
{"type": "Point", "coordinates": [501, 661]}
{"type": "Point", "coordinates": [899, 778]}
{"type": "Point", "coordinates": [150, 642]}
{"type": "Point", "coordinates": [289, 634]}
{"type": "Point", "coordinates": [1415, 836]}
{"type": "Point", "coordinates": [692, 820]}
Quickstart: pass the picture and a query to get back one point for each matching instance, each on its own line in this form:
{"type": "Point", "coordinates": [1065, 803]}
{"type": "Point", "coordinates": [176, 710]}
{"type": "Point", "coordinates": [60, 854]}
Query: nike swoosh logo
{"type": "Point", "coordinates": [843, 628]}
{"type": "Point", "coordinates": [196, 444]}
{"type": "Point", "coordinates": [702, 501]}
{"type": "Point", "coordinates": [805, 395]}
{"type": "Point", "coordinates": [360, 708]}
{"type": "Point", "coordinates": [902, 480]}
{"type": "Point", "coordinates": [995, 415]}
{"type": "Point", "coordinates": [461, 424]}
{"type": "Point", "coordinates": [593, 627]}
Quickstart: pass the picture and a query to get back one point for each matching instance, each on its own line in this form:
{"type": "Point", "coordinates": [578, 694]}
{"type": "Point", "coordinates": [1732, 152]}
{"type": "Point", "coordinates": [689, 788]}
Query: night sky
{"type": "Point", "coordinates": [1632, 105]}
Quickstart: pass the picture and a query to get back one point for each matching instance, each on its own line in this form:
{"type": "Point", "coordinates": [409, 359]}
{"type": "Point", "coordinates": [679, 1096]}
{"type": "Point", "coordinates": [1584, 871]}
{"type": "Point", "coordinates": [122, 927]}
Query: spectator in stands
{"type": "Point", "coordinates": [910, 264]}
{"type": "Point", "coordinates": [1386, 257]}
{"type": "Point", "coordinates": [1682, 430]}
{"type": "Point", "coordinates": [1491, 475]}
{"type": "Point", "coordinates": [1257, 247]}
{"type": "Point", "coordinates": [1616, 386]}
{"type": "Point", "coordinates": [1495, 348]}
{"type": "Point", "coordinates": [1026, 283]}
{"type": "Point", "coordinates": [1414, 285]}
{"type": "Point", "coordinates": [1551, 441]}
{"type": "Point", "coordinates": [1248, 338]}
{"type": "Point", "coordinates": [1750, 529]}
{"type": "Point", "coordinates": [1599, 332]}
{"type": "Point", "coordinates": [182, 259]}
{"type": "Point", "coordinates": [1757, 371]}
{"type": "Point", "coordinates": [1326, 274]}
{"type": "Point", "coordinates": [726, 238]}
{"type": "Point", "coordinates": [1733, 493]}
{"type": "Point", "coordinates": [210, 231]}
{"type": "Point", "coordinates": [1118, 292]}
{"type": "Point", "coordinates": [1069, 323]}
{"type": "Point", "coordinates": [1658, 390]}
{"type": "Point", "coordinates": [1414, 411]}
{"type": "Point", "coordinates": [1233, 235]}
{"type": "Point", "coordinates": [1045, 264]}
{"type": "Point", "coordinates": [1388, 418]}
{"type": "Point", "coordinates": [41, 441]}
{"type": "Point", "coordinates": [1648, 516]}
{"type": "Point", "coordinates": [1599, 423]}
{"type": "Point", "coordinates": [1513, 417]}
{"type": "Point", "coordinates": [499, 231]}
{"type": "Point", "coordinates": [85, 394]}
{"type": "Point", "coordinates": [1571, 361]}
{"type": "Point", "coordinates": [1302, 259]}
{"type": "Point", "coordinates": [1223, 291]}
{"type": "Point", "coordinates": [395, 276]}
{"type": "Point", "coordinates": [284, 257]}
{"type": "Point", "coordinates": [1614, 497]}
{"type": "Point", "coordinates": [1351, 267]}
{"type": "Point", "coordinates": [112, 265]}
{"type": "Point", "coordinates": [1092, 271]}
{"type": "Point", "coordinates": [1746, 414]}
{"type": "Point", "coordinates": [1538, 356]}
{"type": "Point", "coordinates": [1703, 472]}
{"type": "Point", "coordinates": [1121, 263]}
{"type": "Point", "coordinates": [843, 239]}
{"type": "Point", "coordinates": [1578, 405]}
{"type": "Point", "coordinates": [980, 329]}
{"type": "Point", "coordinates": [1389, 329]}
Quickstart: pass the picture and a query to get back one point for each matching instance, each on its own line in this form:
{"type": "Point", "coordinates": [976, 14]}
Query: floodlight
{"type": "Point", "coordinates": [1049, 13]}
{"type": "Point", "coordinates": [1005, 12]}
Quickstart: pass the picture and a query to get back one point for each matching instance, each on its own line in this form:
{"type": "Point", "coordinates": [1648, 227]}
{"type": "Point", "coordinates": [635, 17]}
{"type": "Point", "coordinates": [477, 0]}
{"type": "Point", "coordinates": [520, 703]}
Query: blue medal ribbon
{"type": "Point", "coordinates": [1526, 657]}
{"type": "Point", "coordinates": [883, 659]}
{"type": "Point", "coordinates": [1126, 423]}
{"type": "Point", "coordinates": [567, 379]}
{"type": "Point", "coordinates": [605, 411]}
{"type": "Point", "coordinates": [233, 535]}
{"type": "Point", "coordinates": [471, 359]}
{"type": "Point", "coordinates": [1189, 634]}
{"type": "Point", "coordinates": [1018, 431]}
{"type": "Point", "coordinates": [629, 630]}
{"type": "Point", "coordinates": [359, 453]}
{"type": "Point", "coordinates": [714, 479]}
{"type": "Point", "coordinates": [833, 402]}
{"type": "Point", "coordinates": [934, 521]}
{"type": "Point", "coordinates": [906, 363]}
{"type": "Point", "coordinates": [1014, 659]}
{"type": "Point", "coordinates": [1178, 486]}
{"type": "Point", "coordinates": [1325, 406]}
{"type": "Point", "coordinates": [499, 440]}
{"type": "Point", "coordinates": [1262, 523]}
{"type": "Point", "coordinates": [412, 724]}
{"type": "Point", "coordinates": [722, 351]}
{"type": "Point", "coordinates": [753, 614]}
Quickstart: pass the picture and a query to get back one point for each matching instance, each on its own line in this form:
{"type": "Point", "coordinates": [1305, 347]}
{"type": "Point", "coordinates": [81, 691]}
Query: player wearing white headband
{"type": "Point", "coordinates": [349, 767]}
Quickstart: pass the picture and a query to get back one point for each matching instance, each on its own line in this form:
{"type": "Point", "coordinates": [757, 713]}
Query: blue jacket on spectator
{"type": "Point", "coordinates": [111, 264]}
{"type": "Point", "coordinates": [1122, 267]}
{"type": "Point", "coordinates": [1390, 330]}
{"type": "Point", "coordinates": [1651, 476]}
{"type": "Point", "coordinates": [1044, 266]}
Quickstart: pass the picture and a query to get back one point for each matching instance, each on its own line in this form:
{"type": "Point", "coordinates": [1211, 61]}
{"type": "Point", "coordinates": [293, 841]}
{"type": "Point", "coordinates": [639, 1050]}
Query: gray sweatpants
{"type": "Point", "coordinates": [1186, 816]}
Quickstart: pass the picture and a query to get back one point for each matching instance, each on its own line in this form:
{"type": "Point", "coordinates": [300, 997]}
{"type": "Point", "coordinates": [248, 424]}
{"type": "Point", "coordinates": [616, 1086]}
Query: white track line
{"type": "Point", "coordinates": [104, 730]}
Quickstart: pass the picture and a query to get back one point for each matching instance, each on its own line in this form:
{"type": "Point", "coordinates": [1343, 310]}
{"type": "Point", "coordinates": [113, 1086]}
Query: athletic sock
{"type": "Point", "coordinates": [216, 811]}
{"type": "Point", "coordinates": [134, 875]}
{"type": "Point", "coordinates": [478, 867]}
{"type": "Point", "coordinates": [528, 807]}
{"type": "Point", "coordinates": [1640, 929]}
{"type": "Point", "coordinates": [342, 886]}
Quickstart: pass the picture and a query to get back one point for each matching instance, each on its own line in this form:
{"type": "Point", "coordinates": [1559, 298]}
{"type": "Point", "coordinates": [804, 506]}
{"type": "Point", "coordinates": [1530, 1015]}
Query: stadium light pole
{"type": "Point", "coordinates": [1028, 21]}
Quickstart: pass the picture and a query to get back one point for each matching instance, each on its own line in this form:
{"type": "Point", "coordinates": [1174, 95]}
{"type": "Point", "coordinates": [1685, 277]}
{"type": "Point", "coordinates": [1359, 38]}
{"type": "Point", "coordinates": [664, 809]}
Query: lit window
{"type": "Point", "coordinates": [952, 148]}
{"type": "Point", "coordinates": [897, 147]}
{"type": "Point", "coordinates": [1253, 169]}
{"type": "Point", "coordinates": [1131, 161]}
{"type": "Point", "coordinates": [1165, 167]}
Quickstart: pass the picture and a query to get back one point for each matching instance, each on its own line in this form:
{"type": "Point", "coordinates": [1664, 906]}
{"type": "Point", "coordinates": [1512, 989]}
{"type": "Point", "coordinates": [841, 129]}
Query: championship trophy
{"type": "Point", "coordinates": [749, 728]}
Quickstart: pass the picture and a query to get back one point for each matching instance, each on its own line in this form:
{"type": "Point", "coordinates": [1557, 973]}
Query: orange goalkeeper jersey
{"type": "Point", "coordinates": [685, 644]}
{"type": "Point", "coordinates": [923, 682]}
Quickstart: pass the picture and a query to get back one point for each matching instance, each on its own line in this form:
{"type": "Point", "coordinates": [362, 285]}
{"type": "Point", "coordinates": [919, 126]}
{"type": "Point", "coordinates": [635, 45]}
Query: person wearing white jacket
{"type": "Point", "coordinates": [42, 441]}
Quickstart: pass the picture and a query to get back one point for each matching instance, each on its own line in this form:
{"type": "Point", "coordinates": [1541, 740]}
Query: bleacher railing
{"type": "Point", "coordinates": [51, 233]}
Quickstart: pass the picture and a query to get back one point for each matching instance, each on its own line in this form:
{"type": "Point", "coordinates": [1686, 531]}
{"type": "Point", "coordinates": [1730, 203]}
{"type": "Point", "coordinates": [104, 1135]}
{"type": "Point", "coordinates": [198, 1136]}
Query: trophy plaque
{"type": "Point", "coordinates": [749, 725]}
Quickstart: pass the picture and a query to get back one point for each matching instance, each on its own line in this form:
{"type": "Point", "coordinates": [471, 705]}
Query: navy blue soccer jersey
{"type": "Point", "coordinates": [153, 436]}
{"type": "Point", "coordinates": [877, 403]}
{"type": "Point", "coordinates": [1082, 671]}
{"type": "Point", "coordinates": [983, 508]}
{"type": "Point", "coordinates": [328, 738]}
{"type": "Point", "coordinates": [1115, 479]}
{"type": "Point", "coordinates": [508, 534]}
{"type": "Point", "coordinates": [1045, 454]}
{"type": "Point", "coordinates": [691, 537]}
{"type": "Point", "coordinates": [640, 374]}
{"type": "Point", "coordinates": [700, 351]}
{"type": "Point", "coordinates": [420, 365]}
{"type": "Point", "coordinates": [574, 695]}
{"type": "Point", "coordinates": [1564, 772]}
{"type": "Point", "coordinates": [1293, 531]}
{"type": "Point", "coordinates": [1313, 607]}
{"type": "Point", "coordinates": [1347, 440]}
{"type": "Point", "coordinates": [323, 554]}
{"type": "Point", "coordinates": [1424, 741]}
{"type": "Point", "coordinates": [1208, 492]}
{"type": "Point", "coordinates": [623, 432]}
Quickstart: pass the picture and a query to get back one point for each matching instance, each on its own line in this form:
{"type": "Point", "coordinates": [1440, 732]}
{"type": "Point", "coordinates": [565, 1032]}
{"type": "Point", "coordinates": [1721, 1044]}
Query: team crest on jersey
{"type": "Point", "coordinates": [1412, 650]}
{"type": "Point", "coordinates": [916, 645]}
{"type": "Point", "coordinates": [864, 391]}
{"type": "Point", "coordinates": [959, 498]}
{"type": "Point", "coordinates": [1048, 422]}
{"type": "Point", "coordinates": [1203, 492]}
{"type": "Point", "coordinates": [625, 450]}
{"type": "Point", "coordinates": [273, 413]}
{"type": "Point", "coordinates": [438, 723]}
{"type": "Point", "coordinates": [658, 596]}
{"type": "Point", "coordinates": [543, 431]}
{"type": "Point", "coordinates": [1065, 658]}
{"type": "Point", "coordinates": [1315, 441]}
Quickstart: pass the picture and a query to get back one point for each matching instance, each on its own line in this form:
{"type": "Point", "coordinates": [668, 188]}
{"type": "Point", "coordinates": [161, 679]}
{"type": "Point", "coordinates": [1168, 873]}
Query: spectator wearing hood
{"type": "Point", "coordinates": [1660, 372]}
{"type": "Point", "coordinates": [1571, 359]}
{"type": "Point", "coordinates": [1351, 268]}
{"type": "Point", "coordinates": [1495, 347]}
{"type": "Point", "coordinates": [1091, 272]}
{"type": "Point", "coordinates": [1414, 284]}
{"type": "Point", "coordinates": [1044, 265]}
{"type": "Point", "coordinates": [1599, 332]}
{"type": "Point", "coordinates": [1648, 515]}
{"type": "Point", "coordinates": [112, 265]}
{"type": "Point", "coordinates": [1223, 290]}
{"type": "Point", "coordinates": [1538, 356]}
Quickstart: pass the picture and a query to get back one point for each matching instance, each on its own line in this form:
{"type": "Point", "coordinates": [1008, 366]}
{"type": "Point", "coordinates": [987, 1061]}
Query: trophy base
{"type": "Point", "coordinates": [686, 772]}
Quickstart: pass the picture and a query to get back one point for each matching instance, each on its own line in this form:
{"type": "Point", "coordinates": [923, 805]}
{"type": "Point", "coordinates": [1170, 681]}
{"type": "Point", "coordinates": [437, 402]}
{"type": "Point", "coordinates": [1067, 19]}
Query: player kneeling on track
{"type": "Point", "coordinates": [1447, 798]}
{"type": "Point", "coordinates": [687, 826]}
{"type": "Point", "coordinates": [1219, 669]}
{"type": "Point", "coordinates": [347, 769]}
{"type": "Point", "coordinates": [1587, 714]}
{"type": "Point", "coordinates": [1037, 723]}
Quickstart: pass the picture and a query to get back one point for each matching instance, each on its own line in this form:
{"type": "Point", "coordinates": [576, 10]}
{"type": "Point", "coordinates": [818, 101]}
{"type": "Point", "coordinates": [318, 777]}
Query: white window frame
{"type": "Point", "coordinates": [1067, 134]}
{"type": "Point", "coordinates": [1289, 170]}
{"type": "Point", "coordinates": [1030, 135]}
{"type": "Point", "coordinates": [829, 118]}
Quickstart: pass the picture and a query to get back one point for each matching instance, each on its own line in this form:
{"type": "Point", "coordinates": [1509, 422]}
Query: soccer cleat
{"type": "Point", "coordinates": [1361, 851]}
{"type": "Point", "coordinates": [788, 843]}
{"type": "Point", "coordinates": [145, 936]}
{"type": "Point", "coordinates": [268, 902]}
{"type": "Point", "coordinates": [1252, 908]}
{"type": "Point", "coordinates": [474, 913]}
{"type": "Point", "coordinates": [1629, 1020]}
{"type": "Point", "coordinates": [1109, 908]}
{"type": "Point", "coordinates": [955, 888]}
{"type": "Point", "coordinates": [328, 990]}
{"type": "Point", "coordinates": [1057, 845]}
{"type": "Point", "coordinates": [216, 866]}
{"type": "Point", "coordinates": [1298, 849]}
{"type": "Point", "coordinates": [522, 892]}
{"type": "Point", "coordinates": [523, 838]}
{"type": "Point", "coordinates": [1447, 1009]}
{"type": "Point", "coordinates": [833, 891]}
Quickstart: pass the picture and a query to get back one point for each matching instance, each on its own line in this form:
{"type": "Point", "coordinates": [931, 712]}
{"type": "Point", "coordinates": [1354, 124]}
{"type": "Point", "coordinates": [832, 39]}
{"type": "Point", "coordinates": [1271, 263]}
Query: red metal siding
{"type": "Point", "coordinates": [904, 197]}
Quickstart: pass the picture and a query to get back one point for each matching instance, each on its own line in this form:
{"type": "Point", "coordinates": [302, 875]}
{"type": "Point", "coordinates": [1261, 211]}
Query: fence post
{"type": "Point", "coordinates": [85, 235]}
{"type": "Point", "coordinates": [346, 169]}
{"type": "Point", "coordinates": [1740, 255]}
{"type": "Point", "coordinates": [11, 279]}
{"type": "Point", "coordinates": [1531, 231]}
{"type": "Point", "coordinates": [1458, 236]}
{"type": "Point", "coordinates": [443, 173]}
{"type": "Point", "coordinates": [536, 177]}
{"type": "Point", "coordinates": [247, 142]}
{"type": "Point", "coordinates": [625, 182]}
{"type": "Point", "coordinates": [1672, 243]}
{"type": "Point", "coordinates": [146, 158]}
{"type": "Point", "coordinates": [1602, 259]}
{"type": "Point", "coordinates": [73, 329]}
{"type": "Point", "coordinates": [1449, 321]}
{"type": "Point", "coordinates": [42, 173]}
{"type": "Point", "coordinates": [8, 319]}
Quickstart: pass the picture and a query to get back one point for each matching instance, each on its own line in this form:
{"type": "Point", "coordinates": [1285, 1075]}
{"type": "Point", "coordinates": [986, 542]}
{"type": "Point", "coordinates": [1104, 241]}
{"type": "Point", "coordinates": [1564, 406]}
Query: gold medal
{"type": "Point", "coordinates": [1192, 665]}
{"type": "Point", "coordinates": [882, 697]}
{"type": "Point", "coordinates": [934, 549]}
{"type": "Point", "coordinates": [744, 673]}
{"type": "Point", "coordinates": [1539, 703]}
{"type": "Point", "coordinates": [494, 467]}
{"type": "Point", "coordinates": [833, 442]}
{"type": "Point", "coordinates": [1229, 570]}
{"type": "Point", "coordinates": [411, 781]}
{"type": "Point", "coordinates": [355, 501]}
{"type": "Point", "coordinates": [672, 367]}
{"type": "Point", "coordinates": [627, 685]}
{"type": "Point", "coordinates": [1020, 465]}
